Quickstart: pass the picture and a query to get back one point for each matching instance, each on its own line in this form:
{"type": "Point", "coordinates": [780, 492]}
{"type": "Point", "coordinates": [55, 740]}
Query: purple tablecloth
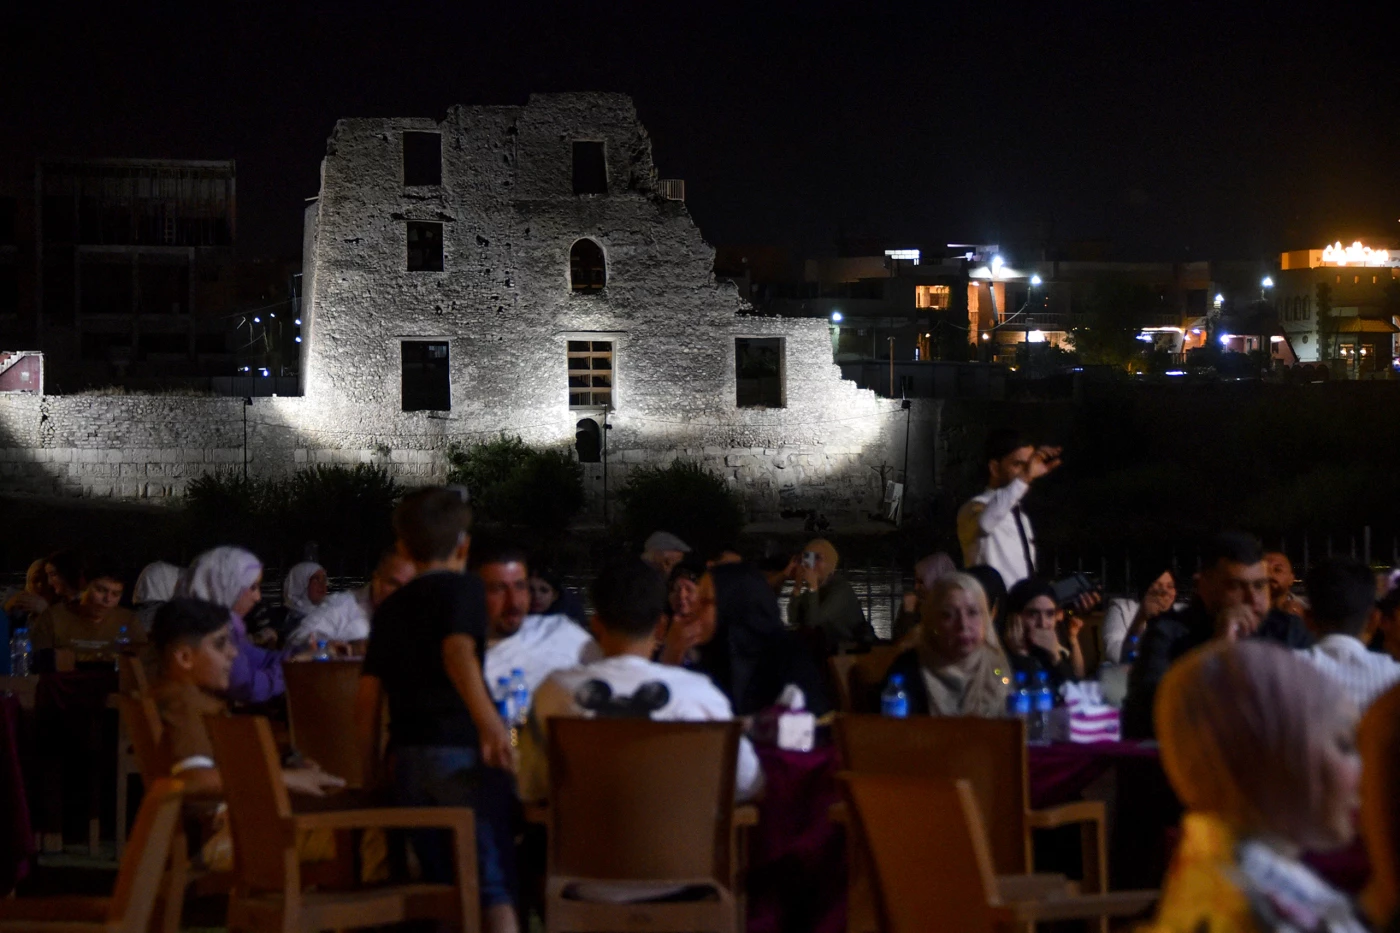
{"type": "Point", "coordinates": [16, 834]}
{"type": "Point", "coordinates": [797, 856]}
{"type": "Point", "coordinates": [1061, 771]}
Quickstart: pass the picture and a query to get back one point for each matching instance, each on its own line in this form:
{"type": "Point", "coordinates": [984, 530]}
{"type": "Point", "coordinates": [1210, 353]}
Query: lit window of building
{"type": "Point", "coordinates": [931, 296]}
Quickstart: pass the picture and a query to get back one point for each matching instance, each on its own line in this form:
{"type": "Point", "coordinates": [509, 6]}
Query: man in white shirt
{"type": "Point", "coordinates": [991, 527]}
{"type": "Point", "coordinates": [537, 645]}
{"type": "Point", "coordinates": [630, 599]}
{"type": "Point", "coordinates": [1341, 598]}
{"type": "Point", "coordinates": [344, 617]}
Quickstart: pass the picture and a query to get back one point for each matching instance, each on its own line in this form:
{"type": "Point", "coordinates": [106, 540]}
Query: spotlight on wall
{"type": "Point", "coordinates": [1268, 282]}
{"type": "Point", "coordinates": [986, 336]}
{"type": "Point", "coordinates": [257, 320]}
{"type": "Point", "coordinates": [837, 317]}
{"type": "Point", "coordinates": [298, 340]}
{"type": "Point", "coordinates": [298, 322]}
{"type": "Point", "coordinates": [1035, 281]}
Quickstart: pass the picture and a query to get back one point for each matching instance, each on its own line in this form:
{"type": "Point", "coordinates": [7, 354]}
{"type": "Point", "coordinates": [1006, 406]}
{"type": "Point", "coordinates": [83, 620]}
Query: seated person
{"type": "Point", "coordinates": [1030, 639]}
{"type": "Point", "coordinates": [824, 601]}
{"type": "Point", "coordinates": [154, 587]}
{"type": "Point", "coordinates": [1126, 619]}
{"type": "Point", "coordinates": [343, 618]}
{"type": "Point", "coordinates": [305, 587]}
{"type": "Point", "coordinates": [927, 572]}
{"type": "Point", "coordinates": [1281, 580]}
{"type": "Point", "coordinates": [629, 599]}
{"type": "Point", "coordinates": [1259, 748]}
{"type": "Point", "coordinates": [90, 625]}
{"type": "Point", "coordinates": [538, 645]}
{"type": "Point", "coordinates": [1232, 591]}
{"type": "Point", "coordinates": [196, 652]}
{"type": "Point", "coordinates": [958, 667]}
{"type": "Point", "coordinates": [549, 596]}
{"type": "Point", "coordinates": [1341, 596]}
{"type": "Point", "coordinates": [664, 551]}
{"type": "Point", "coordinates": [30, 602]}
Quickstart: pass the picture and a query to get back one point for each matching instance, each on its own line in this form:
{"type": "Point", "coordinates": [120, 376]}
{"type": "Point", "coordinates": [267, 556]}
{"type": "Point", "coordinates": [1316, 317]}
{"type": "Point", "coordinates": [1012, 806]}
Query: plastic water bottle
{"type": "Point", "coordinates": [21, 649]}
{"type": "Point", "coordinates": [123, 642]}
{"type": "Point", "coordinates": [519, 697]}
{"type": "Point", "coordinates": [502, 698]}
{"type": "Point", "coordinates": [1038, 730]}
{"type": "Point", "coordinates": [323, 652]}
{"type": "Point", "coordinates": [894, 701]}
{"type": "Point", "coordinates": [1018, 701]}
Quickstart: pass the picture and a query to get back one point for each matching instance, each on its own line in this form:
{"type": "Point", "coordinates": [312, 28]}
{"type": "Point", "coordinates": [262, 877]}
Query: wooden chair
{"type": "Point", "coordinates": [133, 899]}
{"type": "Point", "coordinates": [991, 755]}
{"type": "Point", "coordinates": [644, 806]}
{"type": "Point", "coordinates": [857, 678]}
{"type": "Point", "coordinates": [321, 711]}
{"type": "Point", "coordinates": [933, 863]}
{"type": "Point", "coordinates": [267, 892]}
{"type": "Point", "coordinates": [131, 681]}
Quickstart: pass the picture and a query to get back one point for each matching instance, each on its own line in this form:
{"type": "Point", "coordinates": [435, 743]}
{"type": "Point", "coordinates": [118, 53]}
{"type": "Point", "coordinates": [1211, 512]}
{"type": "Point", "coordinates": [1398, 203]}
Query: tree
{"type": "Point", "coordinates": [514, 484]}
{"type": "Point", "coordinates": [1106, 331]}
{"type": "Point", "coordinates": [1326, 323]}
{"type": "Point", "coordinates": [685, 499]}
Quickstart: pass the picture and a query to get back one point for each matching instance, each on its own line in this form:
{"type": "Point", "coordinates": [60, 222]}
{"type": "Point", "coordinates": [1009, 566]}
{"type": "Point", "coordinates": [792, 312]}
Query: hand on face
{"type": "Point", "coordinates": [1236, 622]}
{"type": "Point", "coordinates": [1044, 639]}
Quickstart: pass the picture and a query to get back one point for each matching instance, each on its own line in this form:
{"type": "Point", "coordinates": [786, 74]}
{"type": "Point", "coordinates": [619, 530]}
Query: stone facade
{"type": "Point", "coordinates": [504, 305]}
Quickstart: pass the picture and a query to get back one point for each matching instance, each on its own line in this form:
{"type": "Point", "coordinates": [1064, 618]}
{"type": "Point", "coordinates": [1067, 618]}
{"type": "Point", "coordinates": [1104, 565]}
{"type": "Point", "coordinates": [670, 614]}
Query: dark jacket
{"type": "Point", "coordinates": [1173, 634]}
{"type": "Point", "coordinates": [1037, 659]}
{"type": "Point", "coordinates": [835, 611]}
{"type": "Point", "coordinates": [908, 665]}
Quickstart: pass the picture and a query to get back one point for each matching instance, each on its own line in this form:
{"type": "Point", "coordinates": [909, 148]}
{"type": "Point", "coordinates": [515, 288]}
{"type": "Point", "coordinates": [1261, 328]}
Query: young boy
{"type": "Point", "coordinates": [196, 653]}
{"type": "Point", "coordinates": [629, 599]}
{"type": "Point", "coordinates": [446, 739]}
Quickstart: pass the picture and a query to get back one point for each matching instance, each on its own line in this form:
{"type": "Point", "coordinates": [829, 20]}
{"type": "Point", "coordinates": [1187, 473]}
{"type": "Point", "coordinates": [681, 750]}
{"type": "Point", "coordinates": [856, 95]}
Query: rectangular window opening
{"type": "Point", "coordinates": [590, 373]}
{"type": "Point", "coordinates": [590, 168]}
{"type": "Point", "coordinates": [422, 159]}
{"type": "Point", "coordinates": [931, 296]}
{"type": "Point", "coordinates": [427, 384]}
{"type": "Point", "coordinates": [424, 246]}
{"type": "Point", "coordinates": [758, 372]}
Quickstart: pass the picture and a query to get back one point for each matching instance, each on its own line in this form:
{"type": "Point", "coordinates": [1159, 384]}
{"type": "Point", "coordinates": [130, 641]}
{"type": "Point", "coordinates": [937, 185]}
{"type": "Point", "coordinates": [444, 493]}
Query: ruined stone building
{"type": "Point", "coordinates": [522, 269]}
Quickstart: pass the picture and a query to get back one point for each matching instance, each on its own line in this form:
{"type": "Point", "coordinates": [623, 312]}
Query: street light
{"type": "Point", "coordinates": [836, 317]}
{"type": "Point", "coordinates": [1035, 281]}
{"type": "Point", "coordinates": [997, 263]}
{"type": "Point", "coordinates": [1268, 282]}
{"type": "Point", "coordinates": [1219, 301]}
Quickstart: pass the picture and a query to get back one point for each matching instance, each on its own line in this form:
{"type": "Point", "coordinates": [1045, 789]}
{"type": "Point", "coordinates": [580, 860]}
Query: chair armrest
{"type": "Point", "coordinates": [1066, 814]}
{"type": "Point", "coordinates": [746, 815]}
{"type": "Point", "coordinates": [458, 818]}
{"type": "Point", "coordinates": [1117, 904]}
{"type": "Point", "coordinates": [1031, 887]}
{"type": "Point", "coordinates": [55, 909]}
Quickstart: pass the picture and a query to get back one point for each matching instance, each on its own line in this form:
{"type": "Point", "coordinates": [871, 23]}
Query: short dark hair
{"type": "Point", "coordinates": [499, 552]}
{"type": "Point", "coordinates": [1341, 594]}
{"type": "Point", "coordinates": [629, 596]}
{"type": "Point", "coordinates": [101, 566]}
{"type": "Point", "coordinates": [992, 584]}
{"type": "Point", "coordinates": [430, 522]}
{"type": "Point", "coordinates": [1002, 442]}
{"type": "Point", "coordinates": [1236, 547]}
{"type": "Point", "coordinates": [186, 621]}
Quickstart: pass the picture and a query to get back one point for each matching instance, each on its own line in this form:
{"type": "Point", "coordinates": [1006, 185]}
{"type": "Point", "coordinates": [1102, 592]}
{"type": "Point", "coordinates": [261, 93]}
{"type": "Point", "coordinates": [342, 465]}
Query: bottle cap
{"type": "Point", "coordinates": [517, 672]}
{"type": "Point", "coordinates": [897, 679]}
{"type": "Point", "coordinates": [1020, 677]}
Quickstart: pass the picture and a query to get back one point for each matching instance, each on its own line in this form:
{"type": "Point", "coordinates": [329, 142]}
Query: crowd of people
{"type": "Point", "coordinates": [1252, 690]}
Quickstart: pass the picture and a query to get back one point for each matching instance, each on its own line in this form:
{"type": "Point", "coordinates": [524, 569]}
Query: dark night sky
{"type": "Point", "coordinates": [1173, 130]}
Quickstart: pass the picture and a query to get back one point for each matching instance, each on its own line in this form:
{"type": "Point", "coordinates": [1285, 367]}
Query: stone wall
{"type": "Point", "coordinates": [504, 305]}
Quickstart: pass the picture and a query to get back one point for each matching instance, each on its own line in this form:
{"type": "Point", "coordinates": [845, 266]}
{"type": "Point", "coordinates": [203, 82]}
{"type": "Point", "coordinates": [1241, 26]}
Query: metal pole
{"type": "Point", "coordinates": [606, 428]}
{"type": "Point", "coordinates": [891, 339]}
{"type": "Point", "coordinates": [908, 415]}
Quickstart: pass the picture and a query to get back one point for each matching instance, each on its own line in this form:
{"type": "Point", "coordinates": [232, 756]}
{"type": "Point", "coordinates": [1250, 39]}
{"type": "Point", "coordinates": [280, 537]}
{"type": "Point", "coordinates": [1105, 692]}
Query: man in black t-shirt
{"type": "Point", "coordinates": [447, 742]}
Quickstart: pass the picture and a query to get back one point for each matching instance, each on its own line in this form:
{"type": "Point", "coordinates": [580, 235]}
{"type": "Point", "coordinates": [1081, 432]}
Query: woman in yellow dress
{"type": "Point", "coordinates": [1260, 748]}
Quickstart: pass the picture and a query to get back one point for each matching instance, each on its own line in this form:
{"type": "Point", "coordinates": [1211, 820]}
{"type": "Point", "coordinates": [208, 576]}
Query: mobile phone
{"type": "Point", "coordinates": [809, 559]}
{"type": "Point", "coordinates": [1071, 588]}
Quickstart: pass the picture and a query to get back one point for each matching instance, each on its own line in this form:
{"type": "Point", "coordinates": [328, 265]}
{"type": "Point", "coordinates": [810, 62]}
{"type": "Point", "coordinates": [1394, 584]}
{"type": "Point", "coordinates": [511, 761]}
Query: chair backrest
{"type": "Point", "coordinates": [633, 799]}
{"type": "Point", "coordinates": [932, 867]}
{"type": "Point", "coordinates": [321, 712]}
{"type": "Point", "coordinates": [990, 754]}
{"type": "Point", "coordinates": [142, 721]}
{"type": "Point", "coordinates": [143, 864]}
{"type": "Point", "coordinates": [857, 677]}
{"type": "Point", "coordinates": [264, 852]}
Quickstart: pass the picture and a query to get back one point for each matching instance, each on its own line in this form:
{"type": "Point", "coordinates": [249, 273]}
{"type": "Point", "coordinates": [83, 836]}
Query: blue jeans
{"type": "Point", "coordinates": [450, 776]}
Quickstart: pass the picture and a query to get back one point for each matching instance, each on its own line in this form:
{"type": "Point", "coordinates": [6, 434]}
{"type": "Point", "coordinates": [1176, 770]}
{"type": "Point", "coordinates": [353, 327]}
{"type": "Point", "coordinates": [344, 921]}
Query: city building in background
{"type": "Point", "coordinates": [1341, 304]}
{"type": "Point", "coordinates": [125, 273]}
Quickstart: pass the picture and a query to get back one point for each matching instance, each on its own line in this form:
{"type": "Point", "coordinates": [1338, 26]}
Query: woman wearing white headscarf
{"type": "Point", "coordinates": [1259, 747]}
{"type": "Point", "coordinates": [232, 577]}
{"type": "Point", "coordinates": [154, 588]}
{"type": "Point", "coordinates": [303, 589]}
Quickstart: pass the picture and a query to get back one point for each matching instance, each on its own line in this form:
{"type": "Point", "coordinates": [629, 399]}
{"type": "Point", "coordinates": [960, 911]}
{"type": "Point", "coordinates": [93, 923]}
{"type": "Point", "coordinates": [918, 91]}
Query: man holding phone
{"type": "Point", "coordinates": [991, 527]}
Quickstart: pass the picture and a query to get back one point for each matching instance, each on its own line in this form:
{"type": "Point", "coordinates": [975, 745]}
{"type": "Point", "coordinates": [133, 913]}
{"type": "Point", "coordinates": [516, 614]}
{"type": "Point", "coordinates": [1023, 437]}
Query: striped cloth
{"type": "Point", "coordinates": [1363, 674]}
{"type": "Point", "coordinates": [1090, 718]}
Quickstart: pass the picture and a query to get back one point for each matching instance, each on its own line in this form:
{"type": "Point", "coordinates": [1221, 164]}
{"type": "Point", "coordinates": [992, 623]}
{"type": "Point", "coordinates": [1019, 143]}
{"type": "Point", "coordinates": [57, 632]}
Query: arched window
{"type": "Point", "coordinates": [588, 441]}
{"type": "Point", "coordinates": [587, 270]}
